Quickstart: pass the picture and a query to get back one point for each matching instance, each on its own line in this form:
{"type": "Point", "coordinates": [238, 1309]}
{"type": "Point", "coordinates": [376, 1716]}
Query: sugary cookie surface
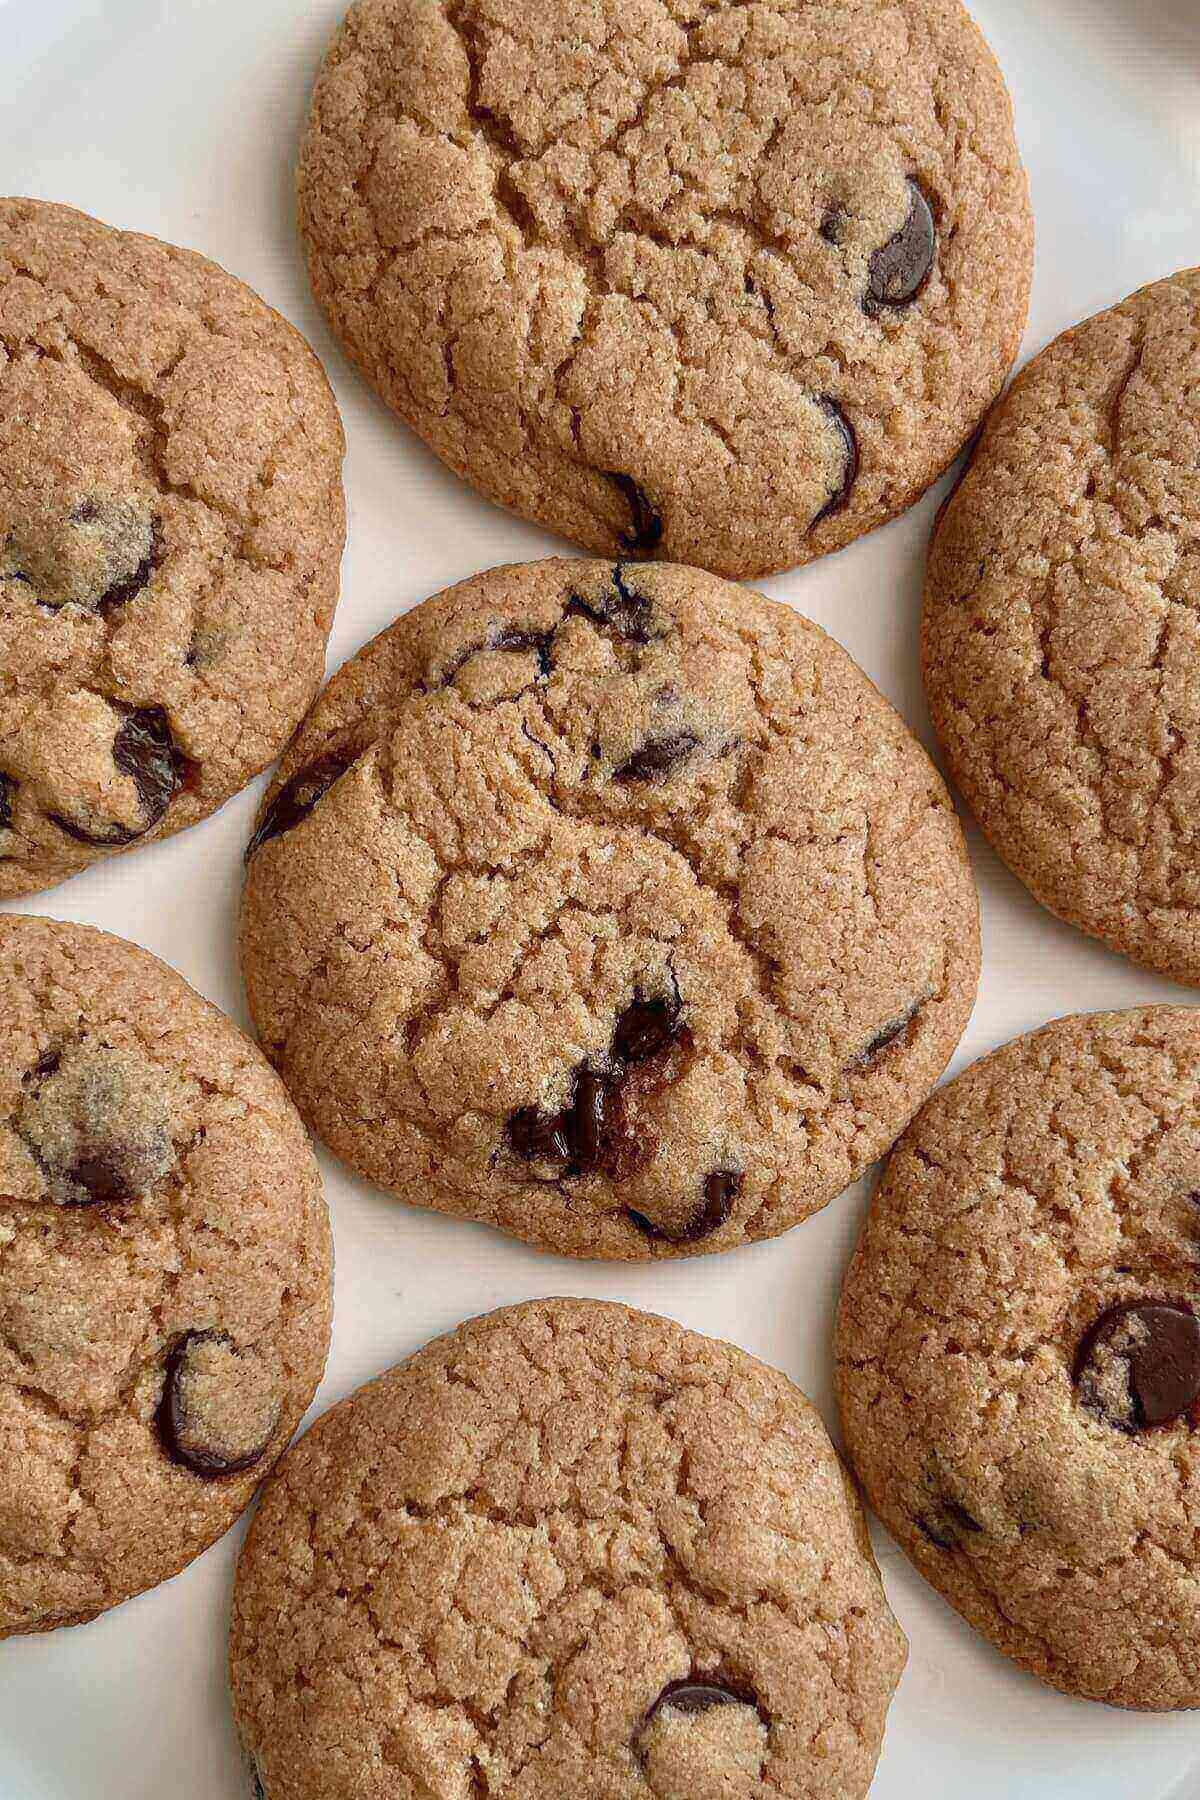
{"type": "Point", "coordinates": [164, 1273]}
{"type": "Point", "coordinates": [1062, 630]}
{"type": "Point", "coordinates": [724, 283]}
{"type": "Point", "coordinates": [171, 522]}
{"type": "Point", "coordinates": [569, 1550]}
{"type": "Point", "coordinates": [609, 904]}
{"type": "Point", "coordinates": [1019, 1352]}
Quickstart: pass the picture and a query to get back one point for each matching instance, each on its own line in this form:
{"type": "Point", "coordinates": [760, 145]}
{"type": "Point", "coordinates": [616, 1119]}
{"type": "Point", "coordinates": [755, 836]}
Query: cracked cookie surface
{"type": "Point", "coordinates": [720, 282]}
{"type": "Point", "coordinates": [171, 527]}
{"type": "Point", "coordinates": [1018, 1352]}
{"type": "Point", "coordinates": [611, 905]}
{"type": "Point", "coordinates": [569, 1549]}
{"type": "Point", "coordinates": [164, 1273]}
{"type": "Point", "coordinates": [1062, 627]}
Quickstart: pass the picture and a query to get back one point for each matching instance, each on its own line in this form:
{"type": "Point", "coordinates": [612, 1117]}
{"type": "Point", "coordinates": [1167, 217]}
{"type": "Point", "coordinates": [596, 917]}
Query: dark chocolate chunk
{"type": "Point", "coordinates": [515, 639]}
{"type": "Point", "coordinates": [8, 788]}
{"type": "Point", "coordinates": [890, 1034]}
{"type": "Point", "coordinates": [1138, 1365]}
{"type": "Point", "coordinates": [897, 272]}
{"type": "Point", "coordinates": [657, 758]}
{"type": "Point", "coordinates": [625, 611]}
{"type": "Point", "coordinates": [296, 799]}
{"type": "Point", "coordinates": [198, 1425]}
{"type": "Point", "coordinates": [537, 1137]}
{"type": "Point", "coordinates": [700, 1696]}
{"type": "Point", "coordinates": [590, 1113]}
{"type": "Point", "coordinates": [721, 1189]}
{"type": "Point", "coordinates": [644, 1028]}
{"type": "Point", "coordinates": [103, 1176]}
{"type": "Point", "coordinates": [144, 750]}
{"type": "Point", "coordinates": [841, 493]}
{"type": "Point", "coordinates": [128, 587]}
{"type": "Point", "coordinates": [647, 525]}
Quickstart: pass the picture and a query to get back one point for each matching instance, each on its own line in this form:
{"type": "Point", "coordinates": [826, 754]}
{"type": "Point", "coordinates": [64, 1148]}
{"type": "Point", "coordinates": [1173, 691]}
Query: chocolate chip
{"type": "Point", "coordinates": [657, 758]}
{"type": "Point", "coordinates": [536, 1137]}
{"type": "Point", "coordinates": [897, 272]}
{"type": "Point", "coordinates": [936, 1533]}
{"type": "Point", "coordinates": [962, 1517]}
{"type": "Point", "coordinates": [833, 226]}
{"type": "Point", "coordinates": [128, 587]}
{"type": "Point", "coordinates": [891, 1034]}
{"type": "Point", "coordinates": [144, 750]}
{"type": "Point", "coordinates": [590, 1113]}
{"type": "Point", "coordinates": [97, 1121]}
{"type": "Point", "coordinates": [721, 1189]}
{"type": "Point", "coordinates": [625, 611]}
{"type": "Point", "coordinates": [8, 788]}
{"type": "Point", "coordinates": [102, 1176]}
{"type": "Point", "coordinates": [692, 1696]}
{"type": "Point", "coordinates": [841, 493]}
{"type": "Point", "coordinates": [644, 1028]}
{"type": "Point", "coordinates": [296, 799]}
{"type": "Point", "coordinates": [647, 525]}
{"type": "Point", "coordinates": [1138, 1365]}
{"type": "Point", "coordinates": [517, 640]}
{"type": "Point", "coordinates": [218, 1411]}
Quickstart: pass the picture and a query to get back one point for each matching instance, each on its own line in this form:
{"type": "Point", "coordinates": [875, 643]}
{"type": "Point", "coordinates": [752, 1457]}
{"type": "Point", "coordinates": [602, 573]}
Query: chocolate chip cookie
{"type": "Point", "coordinates": [171, 525]}
{"type": "Point", "coordinates": [1019, 1352]}
{"type": "Point", "coordinates": [568, 1550]}
{"type": "Point", "coordinates": [610, 904]}
{"type": "Point", "coordinates": [728, 284]}
{"type": "Point", "coordinates": [1062, 636]}
{"type": "Point", "coordinates": [164, 1273]}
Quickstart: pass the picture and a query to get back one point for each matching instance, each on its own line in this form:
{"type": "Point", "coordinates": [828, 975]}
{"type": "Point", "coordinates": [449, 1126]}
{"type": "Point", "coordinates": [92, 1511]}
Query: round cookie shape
{"type": "Point", "coordinates": [569, 1549]}
{"type": "Point", "coordinates": [1018, 1352]}
{"type": "Point", "coordinates": [611, 905]}
{"type": "Point", "coordinates": [165, 1273]}
{"type": "Point", "coordinates": [726, 284]}
{"type": "Point", "coordinates": [1061, 639]}
{"type": "Point", "coordinates": [171, 527]}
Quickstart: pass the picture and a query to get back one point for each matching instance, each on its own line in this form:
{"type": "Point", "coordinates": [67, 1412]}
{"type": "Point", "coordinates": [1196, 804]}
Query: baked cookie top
{"type": "Point", "coordinates": [724, 283]}
{"type": "Point", "coordinates": [612, 906]}
{"type": "Point", "coordinates": [164, 1273]}
{"type": "Point", "coordinates": [1018, 1352]}
{"type": "Point", "coordinates": [570, 1549]}
{"type": "Point", "coordinates": [171, 524]}
{"type": "Point", "coordinates": [1062, 636]}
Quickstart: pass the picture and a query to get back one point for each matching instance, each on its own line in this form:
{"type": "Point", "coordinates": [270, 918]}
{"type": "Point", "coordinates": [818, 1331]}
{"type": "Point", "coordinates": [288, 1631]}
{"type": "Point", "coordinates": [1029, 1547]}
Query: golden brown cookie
{"type": "Point", "coordinates": [1062, 636]}
{"type": "Point", "coordinates": [568, 1550]}
{"type": "Point", "coordinates": [164, 1273]}
{"type": "Point", "coordinates": [1018, 1352]}
{"type": "Point", "coordinates": [612, 906]}
{"type": "Point", "coordinates": [171, 524]}
{"type": "Point", "coordinates": [725, 283]}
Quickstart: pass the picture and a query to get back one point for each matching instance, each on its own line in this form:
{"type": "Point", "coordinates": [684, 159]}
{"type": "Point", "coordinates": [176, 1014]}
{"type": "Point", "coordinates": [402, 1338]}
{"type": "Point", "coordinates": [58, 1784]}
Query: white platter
{"type": "Point", "coordinates": [180, 117]}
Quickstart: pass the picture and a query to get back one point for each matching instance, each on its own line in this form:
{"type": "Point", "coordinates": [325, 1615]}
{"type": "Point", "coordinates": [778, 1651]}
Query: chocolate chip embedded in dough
{"type": "Point", "coordinates": [1138, 1365]}
{"type": "Point", "coordinates": [647, 530]}
{"type": "Point", "coordinates": [296, 799]}
{"type": "Point", "coordinates": [840, 492]}
{"type": "Point", "coordinates": [143, 749]}
{"type": "Point", "coordinates": [219, 1406]}
{"type": "Point", "coordinates": [900, 268]}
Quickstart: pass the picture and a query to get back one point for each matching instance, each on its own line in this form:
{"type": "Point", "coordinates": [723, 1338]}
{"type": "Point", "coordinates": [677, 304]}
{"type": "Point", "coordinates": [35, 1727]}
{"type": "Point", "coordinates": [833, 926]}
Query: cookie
{"type": "Point", "coordinates": [171, 525]}
{"type": "Point", "coordinates": [611, 905]}
{"type": "Point", "coordinates": [164, 1273]}
{"type": "Point", "coordinates": [1018, 1352]}
{"type": "Point", "coordinates": [1061, 634]}
{"type": "Point", "coordinates": [569, 1549]}
{"type": "Point", "coordinates": [727, 284]}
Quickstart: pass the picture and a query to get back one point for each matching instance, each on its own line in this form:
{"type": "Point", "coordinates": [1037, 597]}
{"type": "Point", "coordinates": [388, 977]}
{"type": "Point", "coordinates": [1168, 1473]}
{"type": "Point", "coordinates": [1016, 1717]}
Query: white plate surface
{"type": "Point", "coordinates": [180, 117]}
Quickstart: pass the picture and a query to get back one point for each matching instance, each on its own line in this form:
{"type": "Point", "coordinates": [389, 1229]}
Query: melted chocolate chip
{"type": "Point", "coordinates": [296, 799]}
{"type": "Point", "coordinates": [891, 1034]}
{"type": "Point", "coordinates": [721, 1189]}
{"type": "Point", "coordinates": [103, 1176]}
{"type": "Point", "coordinates": [144, 750]}
{"type": "Point", "coordinates": [590, 1115]}
{"type": "Point", "coordinates": [517, 640]}
{"type": "Point", "coordinates": [657, 758]}
{"type": "Point", "coordinates": [897, 272]}
{"type": "Point", "coordinates": [8, 788]}
{"type": "Point", "coordinates": [647, 525]}
{"type": "Point", "coordinates": [129, 586]}
{"type": "Point", "coordinates": [624, 611]}
{"type": "Point", "coordinates": [190, 1424]}
{"type": "Point", "coordinates": [644, 1028]}
{"type": "Point", "coordinates": [1138, 1365]}
{"type": "Point", "coordinates": [841, 493]}
{"type": "Point", "coordinates": [536, 1137]}
{"type": "Point", "coordinates": [693, 1696]}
